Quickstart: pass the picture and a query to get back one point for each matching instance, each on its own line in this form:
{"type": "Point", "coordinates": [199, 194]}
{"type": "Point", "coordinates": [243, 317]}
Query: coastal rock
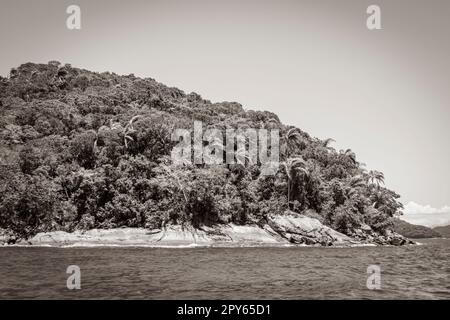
{"type": "Point", "coordinates": [300, 229]}
{"type": "Point", "coordinates": [251, 234]}
{"type": "Point", "coordinates": [396, 239]}
{"type": "Point", "coordinates": [172, 236]}
{"type": "Point", "coordinates": [92, 237]}
{"type": "Point", "coordinates": [279, 230]}
{"type": "Point", "coordinates": [365, 234]}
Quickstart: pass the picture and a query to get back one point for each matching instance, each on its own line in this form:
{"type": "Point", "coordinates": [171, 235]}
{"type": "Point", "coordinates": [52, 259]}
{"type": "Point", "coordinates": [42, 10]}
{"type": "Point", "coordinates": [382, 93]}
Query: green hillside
{"type": "Point", "coordinates": [82, 150]}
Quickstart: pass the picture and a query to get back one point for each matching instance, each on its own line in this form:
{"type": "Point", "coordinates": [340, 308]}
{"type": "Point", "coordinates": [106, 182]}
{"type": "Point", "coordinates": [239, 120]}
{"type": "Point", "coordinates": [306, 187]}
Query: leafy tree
{"type": "Point", "coordinates": [82, 149]}
{"type": "Point", "coordinates": [294, 168]}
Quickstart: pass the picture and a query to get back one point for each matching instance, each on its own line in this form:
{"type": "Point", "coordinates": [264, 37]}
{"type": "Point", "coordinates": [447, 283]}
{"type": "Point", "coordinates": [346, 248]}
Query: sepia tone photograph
{"type": "Point", "coordinates": [224, 150]}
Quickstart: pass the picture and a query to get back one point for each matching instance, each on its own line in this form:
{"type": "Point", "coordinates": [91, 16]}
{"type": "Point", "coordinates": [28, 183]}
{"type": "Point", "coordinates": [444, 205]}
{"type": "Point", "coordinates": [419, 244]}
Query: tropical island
{"type": "Point", "coordinates": [85, 158]}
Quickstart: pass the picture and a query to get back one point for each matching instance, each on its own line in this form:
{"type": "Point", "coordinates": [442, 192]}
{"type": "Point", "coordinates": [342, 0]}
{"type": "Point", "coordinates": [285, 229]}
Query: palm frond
{"type": "Point", "coordinates": [326, 143]}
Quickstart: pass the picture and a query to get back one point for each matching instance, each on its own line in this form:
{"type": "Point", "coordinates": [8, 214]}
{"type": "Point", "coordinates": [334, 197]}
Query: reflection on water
{"type": "Point", "coordinates": [412, 272]}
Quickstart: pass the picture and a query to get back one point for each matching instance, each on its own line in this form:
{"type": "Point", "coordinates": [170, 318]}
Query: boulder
{"type": "Point", "coordinates": [396, 239]}
{"type": "Point", "coordinates": [300, 229]}
{"type": "Point", "coordinates": [365, 234]}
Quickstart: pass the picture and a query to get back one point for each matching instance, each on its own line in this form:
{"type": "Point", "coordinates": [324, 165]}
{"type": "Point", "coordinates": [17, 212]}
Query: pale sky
{"type": "Point", "coordinates": [383, 93]}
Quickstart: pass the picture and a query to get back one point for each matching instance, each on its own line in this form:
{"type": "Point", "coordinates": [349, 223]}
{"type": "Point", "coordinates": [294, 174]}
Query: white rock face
{"type": "Point", "coordinates": [94, 236]}
{"type": "Point", "coordinates": [288, 228]}
{"type": "Point", "coordinates": [280, 230]}
{"type": "Point", "coordinates": [247, 233]}
{"type": "Point", "coordinates": [303, 229]}
{"type": "Point", "coordinates": [171, 236]}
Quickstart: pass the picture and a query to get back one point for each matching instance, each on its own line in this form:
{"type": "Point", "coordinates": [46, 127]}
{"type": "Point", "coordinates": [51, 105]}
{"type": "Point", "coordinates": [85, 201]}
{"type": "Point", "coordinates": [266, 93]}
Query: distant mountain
{"type": "Point", "coordinates": [444, 231]}
{"type": "Point", "coordinates": [416, 231]}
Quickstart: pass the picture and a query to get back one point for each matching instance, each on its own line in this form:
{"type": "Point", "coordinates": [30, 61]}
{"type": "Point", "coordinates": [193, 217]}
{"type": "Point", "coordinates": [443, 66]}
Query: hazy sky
{"type": "Point", "coordinates": [383, 93]}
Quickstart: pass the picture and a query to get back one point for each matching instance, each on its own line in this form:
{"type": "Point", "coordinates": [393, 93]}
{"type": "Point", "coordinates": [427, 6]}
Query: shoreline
{"type": "Point", "coordinates": [191, 246]}
{"type": "Point", "coordinates": [279, 232]}
{"type": "Point", "coordinates": [172, 237]}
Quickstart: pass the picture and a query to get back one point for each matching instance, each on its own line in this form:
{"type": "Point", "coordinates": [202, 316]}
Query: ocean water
{"type": "Point", "coordinates": [411, 272]}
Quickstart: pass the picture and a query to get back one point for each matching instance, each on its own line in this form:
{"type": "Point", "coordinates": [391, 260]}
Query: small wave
{"type": "Point", "coordinates": [116, 245]}
{"type": "Point", "coordinates": [27, 246]}
{"type": "Point", "coordinates": [357, 245]}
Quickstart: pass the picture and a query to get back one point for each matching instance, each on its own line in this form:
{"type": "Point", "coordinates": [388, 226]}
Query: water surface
{"type": "Point", "coordinates": [411, 272]}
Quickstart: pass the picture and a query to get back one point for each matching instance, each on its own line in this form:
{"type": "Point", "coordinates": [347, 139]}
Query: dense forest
{"type": "Point", "coordinates": [82, 150]}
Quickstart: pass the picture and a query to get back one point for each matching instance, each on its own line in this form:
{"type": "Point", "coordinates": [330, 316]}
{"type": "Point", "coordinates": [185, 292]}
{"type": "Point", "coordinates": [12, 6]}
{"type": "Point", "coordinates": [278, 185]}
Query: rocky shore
{"type": "Point", "coordinates": [278, 231]}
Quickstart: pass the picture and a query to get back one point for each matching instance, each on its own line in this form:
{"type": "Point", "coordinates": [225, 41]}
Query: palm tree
{"type": "Point", "coordinates": [128, 130]}
{"type": "Point", "coordinates": [95, 139]}
{"type": "Point", "coordinates": [349, 154]}
{"type": "Point", "coordinates": [293, 166]}
{"type": "Point", "coordinates": [117, 126]}
{"type": "Point", "coordinates": [355, 183]}
{"type": "Point", "coordinates": [378, 199]}
{"type": "Point", "coordinates": [326, 143]}
{"type": "Point", "coordinates": [217, 144]}
{"type": "Point", "coordinates": [376, 177]}
{"type": "Point", "coordinates": [272, 122]}
{"type": "Point", "coordinates": [242, 155]}
{"type": "Point", "coordinates": [112, 126]}
{"type": "Point", "coordinates": [292, 135]}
